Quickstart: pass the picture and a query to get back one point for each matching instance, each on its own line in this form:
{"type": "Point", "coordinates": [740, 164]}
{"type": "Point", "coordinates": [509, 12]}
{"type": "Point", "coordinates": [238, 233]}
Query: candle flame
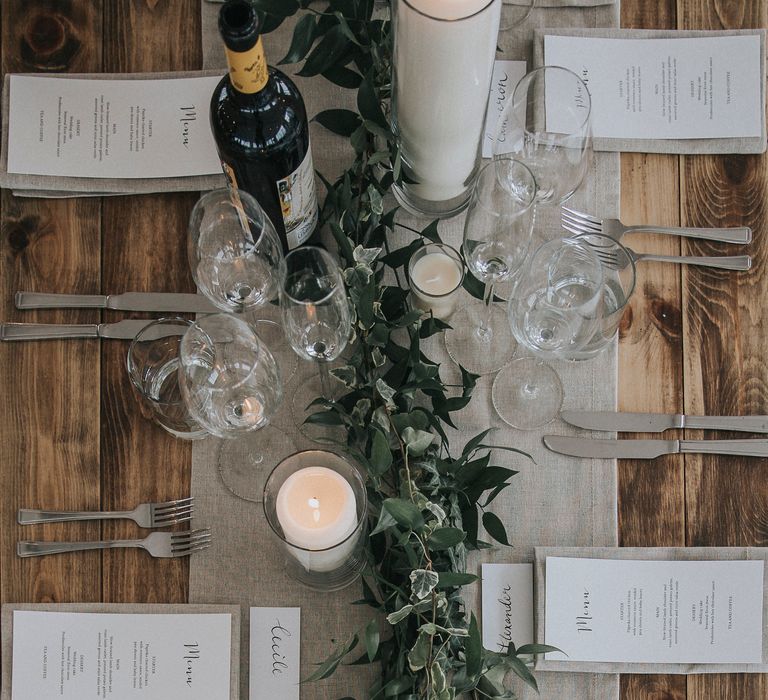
{"type": "Point", "coordinates": [314, 503]}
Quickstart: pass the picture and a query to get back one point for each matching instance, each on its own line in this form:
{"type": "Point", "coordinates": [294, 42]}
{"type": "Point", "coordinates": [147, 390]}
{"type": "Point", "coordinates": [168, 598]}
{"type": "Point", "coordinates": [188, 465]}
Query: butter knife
{"type": "Point", "coordinates": [650, 449]}
{"type": "Point", "coordinates": [125, 330]}
{"type": "Point", "coordinates": [659, 422]}
{"type": "Point", "coordinates": [130, 301]}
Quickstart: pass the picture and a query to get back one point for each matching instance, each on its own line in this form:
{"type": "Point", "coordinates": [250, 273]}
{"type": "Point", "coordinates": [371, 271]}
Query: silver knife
{"type": "Point", "coordinates": [125, 330]}
{"type": "Point", "coordinates": [649, 449]}
{"type": "Point", "coordinates": [659, 422]}
{"type": "Point", "coordinates": [130, 301]}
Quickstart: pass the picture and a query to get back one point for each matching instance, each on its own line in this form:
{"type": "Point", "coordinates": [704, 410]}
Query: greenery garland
{"type": "Point", "coordinates": [426, 505]}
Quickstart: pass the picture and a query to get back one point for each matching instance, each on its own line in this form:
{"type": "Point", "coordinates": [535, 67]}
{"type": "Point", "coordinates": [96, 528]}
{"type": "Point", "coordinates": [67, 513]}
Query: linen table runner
{"type": "Point", "coordinates": [554, 500]}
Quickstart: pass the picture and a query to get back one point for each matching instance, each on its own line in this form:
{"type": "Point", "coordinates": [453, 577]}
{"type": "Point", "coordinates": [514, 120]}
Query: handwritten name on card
{"type": "Point", "coordinates": [506, 74]}
{"type": "Point", "coordinates": [507, 605]}
{"type": "Point", "coordinates": [275, 653]}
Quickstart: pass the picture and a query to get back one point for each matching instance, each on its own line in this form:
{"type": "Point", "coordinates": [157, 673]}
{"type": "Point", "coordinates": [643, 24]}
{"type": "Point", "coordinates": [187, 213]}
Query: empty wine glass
{"type": "Point", "coordinates": [234, 250]}
{"type": "Point", "coordinates": [497, 236]}
{"type": "Point", "coordinates": [316, 318]}
{"type": "Point", "coordinates": [231, 385]}
{"type": "Point", "coordinates": [554, 310]}
{"type": "Point", "coordinates": [547, 125]}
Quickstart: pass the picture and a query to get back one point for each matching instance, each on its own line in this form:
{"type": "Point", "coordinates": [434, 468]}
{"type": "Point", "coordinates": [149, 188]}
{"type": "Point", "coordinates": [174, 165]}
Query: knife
{"type": "Point", "coordinates": [130, 301]}
{"type": "Point", "coordinates": [649, 449]}
{"type": "Point", "coordinates": [659, 422]}
{"type": "Point", "coordinates": [125, 330]}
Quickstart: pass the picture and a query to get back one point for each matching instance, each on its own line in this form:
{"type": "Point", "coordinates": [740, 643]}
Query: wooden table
{"type": "Point", "coordinates": [71, 435]}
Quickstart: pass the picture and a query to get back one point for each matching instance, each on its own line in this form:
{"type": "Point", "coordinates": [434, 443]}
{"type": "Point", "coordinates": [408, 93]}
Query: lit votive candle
{"type": "Point", "coordinates": [436, 272]}
{"type": "Point", "coordinates": [317, 510]}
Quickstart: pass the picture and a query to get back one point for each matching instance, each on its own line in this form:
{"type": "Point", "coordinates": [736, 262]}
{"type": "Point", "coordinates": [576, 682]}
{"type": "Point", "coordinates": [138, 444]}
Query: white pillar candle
{"type": "Point", "coordinates": [317, 510]}
{"type": "Point", "coordinates": [435, 281]}
{"type": "Point", "coordinates": [443, 70]}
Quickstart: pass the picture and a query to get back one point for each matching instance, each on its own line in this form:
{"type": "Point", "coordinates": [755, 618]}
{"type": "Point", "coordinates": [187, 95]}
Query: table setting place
{"type": "Point", "coordinates": [398, 377]}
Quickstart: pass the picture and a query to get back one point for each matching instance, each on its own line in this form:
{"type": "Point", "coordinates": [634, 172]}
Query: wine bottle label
{"type": "Point", "coordinates": [298, 202]}
{"type": "Point", "coordinates": [248, 69]}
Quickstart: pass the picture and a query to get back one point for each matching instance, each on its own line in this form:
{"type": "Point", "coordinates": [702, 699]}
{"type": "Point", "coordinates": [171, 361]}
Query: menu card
{"type": "Point", "coordinates": [275, 653]}
{"type": "Point", "coordinates": [686, 88]}
{"type": "Point", "coordinates": [654, 611]}
{"type": "Point", "coordinates": [84, 656]}
{"type": "Point", "coordinates": [144, 128]}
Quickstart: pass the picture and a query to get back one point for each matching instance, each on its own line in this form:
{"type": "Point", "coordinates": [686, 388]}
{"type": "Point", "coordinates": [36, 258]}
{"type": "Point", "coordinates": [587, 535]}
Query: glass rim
{"type": "Point", "coordinates": [541, 70]}
{"type": "Point", "coordinates": [446, 19]}
{"type": "Point", "coordinates": [632, 265]}
{"type": "Point", "coordinates": [284, 274]}
{"type": "Point", "coordinates": [494, 162]}
{"type": "Point", "coordinates": [360, 523]}
{"type": "Point", "coordinates": [458, 259]}
{"type": "Point", "coordinates": [131, 365]}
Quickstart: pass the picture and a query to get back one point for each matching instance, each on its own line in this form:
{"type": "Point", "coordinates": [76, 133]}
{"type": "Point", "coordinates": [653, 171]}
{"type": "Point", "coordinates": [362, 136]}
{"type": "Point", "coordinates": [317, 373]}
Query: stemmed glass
{"type": "Point", "coordinates": [231, 385]}
{"type": "Point", "coordinates": [547, 125]}
{"type": "Point", "coordinates": [514, 13]}
{"type": "Point", "coordinates": [554, 311]}
{"type": "Point", "coordinates": [497, 236]}
{"type": "Point", "coordinates": [316, 319]}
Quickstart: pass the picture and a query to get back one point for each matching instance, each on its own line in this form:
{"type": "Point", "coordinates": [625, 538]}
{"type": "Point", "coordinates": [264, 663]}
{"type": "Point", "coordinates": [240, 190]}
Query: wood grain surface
{"type": "Point", "coordinates": [71, 433]}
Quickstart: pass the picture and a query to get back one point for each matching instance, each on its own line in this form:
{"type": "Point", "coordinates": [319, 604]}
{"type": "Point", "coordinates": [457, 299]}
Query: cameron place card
{"type": "Point", "coordinates": [275, 653]}
{"type": "Point", "coordinates": [654, 611]}
{"type": "Point", "coordinates": [507, 600]}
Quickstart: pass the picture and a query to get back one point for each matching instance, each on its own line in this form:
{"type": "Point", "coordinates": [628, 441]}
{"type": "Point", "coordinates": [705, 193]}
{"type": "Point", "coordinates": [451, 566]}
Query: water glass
{"type": "Point", "coordinates": [153, 363]}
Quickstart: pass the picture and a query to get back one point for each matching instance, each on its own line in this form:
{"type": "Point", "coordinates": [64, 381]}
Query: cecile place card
{"type": "Point", "coordinates": [275, 653]}
{"type": "Point", "coordinates": [146, 128]}
{"type": "Point", "coordinates": [507, 605]}
{"type": "Point", "coordinates": [694, 612]}
{"type": "Point", "coordinates": [80, 656]}
{"type": "Point", "coordinates": [681, 88]}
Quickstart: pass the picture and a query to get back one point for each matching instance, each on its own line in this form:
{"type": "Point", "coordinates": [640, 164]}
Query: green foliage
{"type": "Point", "coordinates": [426, 505]}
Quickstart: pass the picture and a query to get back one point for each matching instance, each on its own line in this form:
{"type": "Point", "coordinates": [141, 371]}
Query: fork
{"type": "Point", "coordinates": [158, 544]}
{"type": "Point", "coordinates": [145, 515]}
{"type": "Point", "coordinates": [618, 261]}
{"type": "Point", "coordinates": [579, 222]}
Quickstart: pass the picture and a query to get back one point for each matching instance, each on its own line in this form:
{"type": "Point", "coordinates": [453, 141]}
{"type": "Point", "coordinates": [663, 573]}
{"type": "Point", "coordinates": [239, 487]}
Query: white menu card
{"type": "Point", "coordinates": [687, 88]}
{"type": "Point", "coordinates": [275, 653]}
{"type": "Point", "coordinates": [654, 611]}
{"type": "Point", "coordinates": [143, 128]}
{"type": "Point", "coordinates": [507, 605]}
{"type": "Point", "coordinates": [84, 656]}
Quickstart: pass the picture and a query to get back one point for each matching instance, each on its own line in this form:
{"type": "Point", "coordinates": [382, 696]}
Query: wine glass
{"type": "Point", "coordinates": [547, 125]}
{"type": "Point", "coordinates": [316, 319]}
{"type": "Point", "coordinates": [554, 310]}
{"type": "Point", "coordinates": [514, 13]}
{"type": "Point", "coordinates": [497, 236]}
{"type": "Point", "coordinates": [231, 385]}
{"type": "Point", "coordinates": [234, 250]}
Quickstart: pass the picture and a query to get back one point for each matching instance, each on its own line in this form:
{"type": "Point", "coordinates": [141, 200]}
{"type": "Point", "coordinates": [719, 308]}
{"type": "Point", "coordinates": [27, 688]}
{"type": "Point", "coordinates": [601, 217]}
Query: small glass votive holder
{"type": "Point", "coordinates": [435, 275]}
{"type": "Point", "coordinates": [316, 504]}
{"type": "Point", "coordinates": [153, 364]}
{"type": "Point", "coordinates": [619, 277]}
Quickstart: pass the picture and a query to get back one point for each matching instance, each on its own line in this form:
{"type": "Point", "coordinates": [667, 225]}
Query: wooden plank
{"type": "Point", "coordinates": [725, 340]}
{"type": "Point", "coordinates": [49, 415]}
{"type": "Point", "coordinates": [144, 250]}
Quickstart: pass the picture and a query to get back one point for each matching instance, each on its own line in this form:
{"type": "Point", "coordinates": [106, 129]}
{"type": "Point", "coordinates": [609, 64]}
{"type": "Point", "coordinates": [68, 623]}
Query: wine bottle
{"type": "Point", "coordinates": [259, 123]}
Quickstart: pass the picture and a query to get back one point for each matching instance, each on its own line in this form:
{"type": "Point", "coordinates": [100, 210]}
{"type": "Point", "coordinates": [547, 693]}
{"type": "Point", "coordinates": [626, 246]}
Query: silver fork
{"type": "Point", "coordinates": [579, 222]}
{"type": "Point", "coordinates": [145, 515]}
{"type": "Point", "coordinates": [618, 261]}
{"type": "Point", "coordinates": [158, 544]}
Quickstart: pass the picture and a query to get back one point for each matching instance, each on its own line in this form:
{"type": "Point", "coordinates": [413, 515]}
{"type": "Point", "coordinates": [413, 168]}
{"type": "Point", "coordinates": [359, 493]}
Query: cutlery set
{"type": "Point", "coordinates": [146, 515]}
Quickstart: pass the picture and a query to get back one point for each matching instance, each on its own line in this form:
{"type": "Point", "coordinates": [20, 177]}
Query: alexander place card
{"type": "Point", "coordinates": [507, 599]}
{"type": "Point", "coordinates": [681, 88]}
{"type": "Point", "coordinates": [654, 611]}
{"type": "Point", "coordinates": [85, 656]}
{"type": "Point", "coordinates": [275, 653]}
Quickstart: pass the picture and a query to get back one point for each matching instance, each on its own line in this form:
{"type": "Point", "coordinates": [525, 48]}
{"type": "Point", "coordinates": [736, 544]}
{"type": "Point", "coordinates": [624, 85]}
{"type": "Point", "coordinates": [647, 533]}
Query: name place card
{"type": "Point", "coordinates": [275, 653]}
{"type": "Point", "coordinates": [506, 74]}
{"type": "Point", "coordinates": [507, 600]}
{"type": "Point", "coordinates": [654, 611]}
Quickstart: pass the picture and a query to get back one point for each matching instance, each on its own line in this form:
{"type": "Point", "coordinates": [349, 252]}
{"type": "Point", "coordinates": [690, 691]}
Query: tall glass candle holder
{"type": "Point", "coordinates": [316, 504]}
{"type": "Point", "coordinates": [443, 57]}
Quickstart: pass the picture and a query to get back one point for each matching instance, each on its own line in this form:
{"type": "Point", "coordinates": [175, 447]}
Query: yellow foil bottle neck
{"type": "Point", "coordinates": [248, 69]}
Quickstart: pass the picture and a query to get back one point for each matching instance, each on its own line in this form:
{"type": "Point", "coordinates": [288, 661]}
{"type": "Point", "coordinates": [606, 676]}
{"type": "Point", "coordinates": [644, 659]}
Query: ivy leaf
{"type": "Point", "coordinates": [372, 639]}
{"type": "Point", "coordinates": [417, 441]}
{"type": "Point", "coordinates": [386, 521]}
{"type": "Point", "coordinates": [281, 8]}
{"type": "Point", "coordinates": [346, 375]}
{"type": "Point", "coordinates": [366, 256]}
{"type": "Point", "coordinates": [423, 582]}
{"type": "Point", "coordinates": [381, 455]}
{"type": "Point", "coordinates": [445, 538]}
{"type": "Point", "coordinates": [303, 36]}
{"type": "Point", "coordinates": [399, 615]}
{"type": "Point", "coordinates": [404, 512]}
{"type": "Point", "coordinates": [327, 667]}
{"type": "Point", "coordinates": [419, 652]}
{"type": "Point", "coordinates": [495, 527]}
{"type": "Point", "coordinates": [340, 121]}
{"type": "Point", "coordinates": [386, 392]}
{"type": "Point", "coordinates": [474, 649]}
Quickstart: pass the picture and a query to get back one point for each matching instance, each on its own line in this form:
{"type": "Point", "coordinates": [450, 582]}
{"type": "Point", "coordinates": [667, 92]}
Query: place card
{"type": "Point", "coordinates": [507, 600]}
{"type": "Point", "coordinates": [680, 88]}
{"type": "Point", "coordinates": [144, 128]}
{"type": "Point", "coordinates": [506, 74]}
{"type": "Point", "coordinates": [275, 653]}
{"type": "Point", "coordinates": [704, 612]}
{"type": "Point", "coordinates": [84, 656]}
